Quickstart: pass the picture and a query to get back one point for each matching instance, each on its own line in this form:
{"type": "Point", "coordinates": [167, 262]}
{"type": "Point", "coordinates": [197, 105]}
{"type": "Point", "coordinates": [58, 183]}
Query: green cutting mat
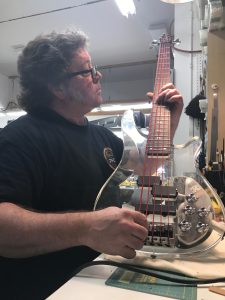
{"type": "Point", "coordinates": [151, 285]}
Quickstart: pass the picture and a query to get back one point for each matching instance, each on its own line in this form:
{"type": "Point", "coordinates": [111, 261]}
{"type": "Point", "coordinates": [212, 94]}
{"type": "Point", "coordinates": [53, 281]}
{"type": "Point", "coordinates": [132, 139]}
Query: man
{"type": "Point", "coordinates": [52, 167]}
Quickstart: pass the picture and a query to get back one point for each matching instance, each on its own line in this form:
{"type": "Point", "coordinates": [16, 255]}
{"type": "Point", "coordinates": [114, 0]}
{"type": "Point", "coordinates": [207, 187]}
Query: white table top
{"type": "Point", "coordinates": [90, 285]}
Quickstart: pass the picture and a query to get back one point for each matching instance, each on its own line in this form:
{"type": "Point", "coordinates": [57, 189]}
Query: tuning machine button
{"type": "Point", "coordinates": [189, 210]}
{"type": "Point", "coordinates": [203, 212]}
{"type": "Point", "coordinates": [191, 198]}
{"type": "Point", "coordinates": [202, 227]}
{"type": "Point", "coordinates": [185, 226]}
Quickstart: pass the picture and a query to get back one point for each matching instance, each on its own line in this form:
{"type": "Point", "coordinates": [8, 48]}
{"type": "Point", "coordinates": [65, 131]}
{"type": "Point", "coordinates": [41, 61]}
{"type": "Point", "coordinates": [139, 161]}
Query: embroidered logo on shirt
{"type": "Point", "coordinates": [109, 157]}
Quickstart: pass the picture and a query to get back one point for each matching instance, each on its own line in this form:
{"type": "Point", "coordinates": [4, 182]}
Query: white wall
{"type": "Point", "coordinates": [9, 90]}
{"type": "Point", "coordinates": [124, 90]}
{"type": "Point", "coordinates": [4, 91]}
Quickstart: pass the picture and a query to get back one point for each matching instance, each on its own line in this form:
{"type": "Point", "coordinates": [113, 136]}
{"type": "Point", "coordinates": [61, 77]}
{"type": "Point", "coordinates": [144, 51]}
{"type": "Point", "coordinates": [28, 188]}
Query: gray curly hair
{"type": "Point", "coordinates": [44, 61]}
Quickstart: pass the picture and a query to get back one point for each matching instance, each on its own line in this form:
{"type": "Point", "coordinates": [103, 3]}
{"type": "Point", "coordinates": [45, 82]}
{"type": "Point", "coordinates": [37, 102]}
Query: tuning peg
{"type": "Point", "coordinates": [176, 42]}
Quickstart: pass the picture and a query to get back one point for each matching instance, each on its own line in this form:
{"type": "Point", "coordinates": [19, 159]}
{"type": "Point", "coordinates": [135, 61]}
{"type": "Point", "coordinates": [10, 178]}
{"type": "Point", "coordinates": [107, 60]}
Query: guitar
{"type": "Point", "coordinates": [162, 182]}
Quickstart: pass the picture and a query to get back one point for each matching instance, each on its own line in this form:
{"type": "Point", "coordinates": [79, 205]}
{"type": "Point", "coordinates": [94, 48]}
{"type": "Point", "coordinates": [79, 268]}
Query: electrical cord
{"type": "Point", "coordinates": [153, 272]}
{"type": "Point", "coordinates": [187, 51]}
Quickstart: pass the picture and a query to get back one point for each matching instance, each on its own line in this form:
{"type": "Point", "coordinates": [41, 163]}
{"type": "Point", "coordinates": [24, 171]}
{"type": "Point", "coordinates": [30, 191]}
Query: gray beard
{"type": "Point", "coordinates": [78, 98]}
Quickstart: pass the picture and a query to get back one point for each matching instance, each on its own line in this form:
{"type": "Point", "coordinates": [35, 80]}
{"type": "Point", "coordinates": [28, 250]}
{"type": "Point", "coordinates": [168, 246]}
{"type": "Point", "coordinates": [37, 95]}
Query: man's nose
{"type": "Point", "coordinates": [98, 77]}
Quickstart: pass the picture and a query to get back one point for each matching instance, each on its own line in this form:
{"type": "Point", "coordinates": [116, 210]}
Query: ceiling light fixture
{"type": "Point", "coordinates": [176, 1]}
{"type": "Point", "coordinates": [126, 7]}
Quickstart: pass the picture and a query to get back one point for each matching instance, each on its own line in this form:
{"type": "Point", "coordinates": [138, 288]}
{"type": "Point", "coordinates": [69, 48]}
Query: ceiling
{"type": "Point", "coordinates": [117, 43]}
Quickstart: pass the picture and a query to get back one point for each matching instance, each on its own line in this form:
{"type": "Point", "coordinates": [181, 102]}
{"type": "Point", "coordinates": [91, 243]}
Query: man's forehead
{"type": "Point", "coordinates": [81, 56]}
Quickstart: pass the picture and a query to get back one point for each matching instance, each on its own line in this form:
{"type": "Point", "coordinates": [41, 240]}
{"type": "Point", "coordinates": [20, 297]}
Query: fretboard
{"type": "Point", "coordinates": [159, 127]}
{"type": "Point", "coordinates": [159, 132]}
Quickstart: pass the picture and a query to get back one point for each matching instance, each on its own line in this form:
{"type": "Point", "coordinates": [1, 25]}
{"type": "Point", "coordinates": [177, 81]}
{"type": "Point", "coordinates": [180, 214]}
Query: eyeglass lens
{"type": "Point", "coordinates": [94, 73]}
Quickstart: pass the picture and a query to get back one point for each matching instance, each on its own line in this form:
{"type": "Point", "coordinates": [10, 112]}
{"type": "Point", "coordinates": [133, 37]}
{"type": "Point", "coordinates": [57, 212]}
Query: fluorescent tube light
{"type": "Point", "coordinates": [176, 1]}
{"type": "Point", "coordinates": [14, 113]}
{"type": "Point", "coordinates": [122, 107]}
{"type": "Point", "coordinates": [126, 7]}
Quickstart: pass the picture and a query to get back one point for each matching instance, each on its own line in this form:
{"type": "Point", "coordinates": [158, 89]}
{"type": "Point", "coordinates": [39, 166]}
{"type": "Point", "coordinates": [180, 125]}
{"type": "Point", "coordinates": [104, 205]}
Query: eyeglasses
{"type": "Point", "coordinates": [84, 73]}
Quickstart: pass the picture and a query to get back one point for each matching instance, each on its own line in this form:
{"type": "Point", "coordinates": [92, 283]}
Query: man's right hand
{"type": "Point", "coordinates": [113, 230]}
{"type": "Point", "coordinates": [117, 231]}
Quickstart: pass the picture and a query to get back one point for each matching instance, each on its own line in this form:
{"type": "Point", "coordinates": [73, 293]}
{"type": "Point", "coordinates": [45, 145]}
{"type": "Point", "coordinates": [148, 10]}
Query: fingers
{"type": "Point", "coordinates": [168, 95]}
{"type": "Point", "coordinates": [135, 242]}
{"type": "Point", "coordinates": [171, 95]}
{"type": "Point", "coordinates": [128, 252]}
{"type": "Point", "coordinates": [140, 227]}
{"type": "Point", "coordinates": [150, 96]}
{"type": "Point", "coordinates": [138, 224]}
{"type": "Point", "coordinates": [140, 218]}
{"type": "Point", "coordinates": [176, 100]}
{"type": "Point", "coordinates": [167, 86]}
{"type": "Point", "coordinates": [165, 95]}
{"type": "Point", "coordinates": [137, 230]}
{"type": "Point", "coordinates": [132, 243]}
{"type": "Point", "coordinates": [118, 231]}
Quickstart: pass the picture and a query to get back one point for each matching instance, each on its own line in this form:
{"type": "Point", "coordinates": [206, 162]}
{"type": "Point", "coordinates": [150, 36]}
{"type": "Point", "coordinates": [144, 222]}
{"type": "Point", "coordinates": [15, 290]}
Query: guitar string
{"type": "Point", "coordinates": [162, 77]}
{"type": "Point", "coordinates": [168, 144]}
{"type": "Point", "coordinates": [158, 130]}
{"type": "Point", "coordinates": [151, 143]}
{"type": "Point", "coordinates": [158, 114]}
{"type": "Point", "coordinates": [161, 130]}
{"type": "Point", "coordinates": [149, 149]}
{"type": "Point", "coordinates": [151, 146]}
{"type": "Point", "coordinates": [161, 117]}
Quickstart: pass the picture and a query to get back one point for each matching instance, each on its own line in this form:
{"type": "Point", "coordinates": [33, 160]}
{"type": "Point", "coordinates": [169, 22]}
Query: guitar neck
{"type": "Point", "coordinates": [159, 126]}
{"type": "Point", "coordinates": [159, 132]}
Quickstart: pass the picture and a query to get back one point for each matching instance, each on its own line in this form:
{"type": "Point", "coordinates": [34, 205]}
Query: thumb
{"type": "Point", "coordinates": [149, 96]}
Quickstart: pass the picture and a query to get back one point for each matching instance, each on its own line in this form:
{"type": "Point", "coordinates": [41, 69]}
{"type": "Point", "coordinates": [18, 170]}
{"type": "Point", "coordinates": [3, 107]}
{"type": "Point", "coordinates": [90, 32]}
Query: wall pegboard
{"type": "Point", "coordinates": [197, 59]}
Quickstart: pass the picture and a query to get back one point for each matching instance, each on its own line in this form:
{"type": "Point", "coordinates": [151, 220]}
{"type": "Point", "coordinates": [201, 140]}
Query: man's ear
{"type": "Point", "coordinates": [57, 91]}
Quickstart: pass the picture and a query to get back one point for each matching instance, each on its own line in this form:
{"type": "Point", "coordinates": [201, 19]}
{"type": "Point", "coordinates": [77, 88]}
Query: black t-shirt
{"type": "Point", "coordinates": [51, 165]}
